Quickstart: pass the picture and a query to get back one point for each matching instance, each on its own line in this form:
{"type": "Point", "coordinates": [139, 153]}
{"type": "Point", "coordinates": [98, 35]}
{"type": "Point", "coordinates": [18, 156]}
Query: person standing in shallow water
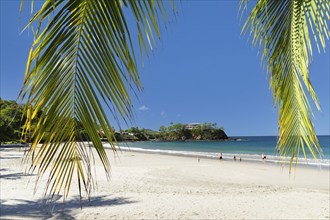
{"type": "Point", "coordinates": [220, 157]}
{"type": "Point", "coordinates": [234, 157]}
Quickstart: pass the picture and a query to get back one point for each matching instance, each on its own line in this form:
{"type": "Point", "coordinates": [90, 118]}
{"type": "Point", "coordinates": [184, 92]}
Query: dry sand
{"type": "Point", "coordinates": [152, 186]}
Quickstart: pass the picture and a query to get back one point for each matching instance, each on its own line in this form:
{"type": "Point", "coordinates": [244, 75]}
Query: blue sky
{"type": "Point", "coordinates": [202, 70]}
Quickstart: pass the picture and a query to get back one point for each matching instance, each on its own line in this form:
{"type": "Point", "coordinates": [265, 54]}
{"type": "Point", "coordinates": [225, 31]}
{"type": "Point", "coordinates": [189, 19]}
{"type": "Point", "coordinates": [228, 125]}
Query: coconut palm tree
{"type": "Point", "coordinates": [82, 59]}
{"type": "Point", "coordinates": [282, 29]}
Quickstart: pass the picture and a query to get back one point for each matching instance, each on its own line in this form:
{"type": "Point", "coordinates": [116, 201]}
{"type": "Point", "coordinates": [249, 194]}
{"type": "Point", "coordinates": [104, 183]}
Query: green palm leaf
{"type": "Point", "coordinates": [81, 59]}
{"type": "Point", "coordinates": [283, 29]}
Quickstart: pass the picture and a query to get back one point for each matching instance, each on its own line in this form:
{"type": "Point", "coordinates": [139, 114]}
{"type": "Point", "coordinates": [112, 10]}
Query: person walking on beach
{"type": "Point", "coordinates": [234, 157]}
{"type": "Point", "coordinates": [263, 156]}
{"type": "Point", "coordinates": [220, 158]}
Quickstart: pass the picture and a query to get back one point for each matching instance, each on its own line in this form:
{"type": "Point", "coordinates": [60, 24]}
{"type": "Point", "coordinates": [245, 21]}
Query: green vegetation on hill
{"type": "Point", "coordinates": [206, 131]}
{"type": "Point", "coordinates": [174, 132]}
{"type": "Point", "coordinates": [12, 120]}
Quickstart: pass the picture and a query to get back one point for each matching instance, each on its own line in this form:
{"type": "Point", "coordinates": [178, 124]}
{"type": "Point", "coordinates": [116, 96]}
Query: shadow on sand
{"type": "Point", "coordinates": [14, 176]}
{"type": "Point", "coordinates": [59, 210]}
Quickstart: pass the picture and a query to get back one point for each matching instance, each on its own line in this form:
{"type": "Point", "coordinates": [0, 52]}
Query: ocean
{"type": "Point", "coordinates": [248, 148]}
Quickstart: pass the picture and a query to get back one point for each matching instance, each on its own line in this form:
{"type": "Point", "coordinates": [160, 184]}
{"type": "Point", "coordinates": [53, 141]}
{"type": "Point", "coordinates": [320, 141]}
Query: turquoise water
{"type": "Point", "coordinates": [249, 148]}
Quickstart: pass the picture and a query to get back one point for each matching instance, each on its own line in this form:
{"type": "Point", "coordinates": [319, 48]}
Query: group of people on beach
{"type": "Point", "coordinates": [220, 157]}
{"type": "Point", "coordinates": [263, 156]}
{"type": "Point", "coordinates": [240, 159]}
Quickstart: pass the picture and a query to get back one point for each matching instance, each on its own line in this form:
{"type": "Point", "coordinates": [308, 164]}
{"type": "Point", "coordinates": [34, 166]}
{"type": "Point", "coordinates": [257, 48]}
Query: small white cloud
{"type": "Point", "coordinates": [163, 114]}
{"type": "Point", "coordinates": [143, 108]}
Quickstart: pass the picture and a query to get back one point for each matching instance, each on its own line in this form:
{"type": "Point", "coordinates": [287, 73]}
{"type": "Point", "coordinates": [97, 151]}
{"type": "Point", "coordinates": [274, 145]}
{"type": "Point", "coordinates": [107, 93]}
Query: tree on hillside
{"type": "Point", "coordinates": [177, 131]}
{"type": "Point", "coordinates": [162, 132]}
{"type": "Point", "coordinates": [162, 129]}
{"type": "Point", "coordinates": [204, 131]}
{"type": "Point", "coordinates": [84, 58]}
{"type": "Point", "coordinates": [140, 134]}
{"type": "Point", "coordinates": [10, 121]}
{"type": "Point", "coordinates": [181, 132]}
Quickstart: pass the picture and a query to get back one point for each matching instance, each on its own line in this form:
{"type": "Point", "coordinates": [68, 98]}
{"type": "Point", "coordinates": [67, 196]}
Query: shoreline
{"type": "Point", "coordinates": [250, 158]}
{"type": "Point", "coordinates": [227, 159]}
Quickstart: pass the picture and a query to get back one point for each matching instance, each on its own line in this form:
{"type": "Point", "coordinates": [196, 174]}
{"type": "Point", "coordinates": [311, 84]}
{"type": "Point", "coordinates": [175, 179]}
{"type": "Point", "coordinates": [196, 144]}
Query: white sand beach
{"type": "Point", "coordinates": [152, 186]}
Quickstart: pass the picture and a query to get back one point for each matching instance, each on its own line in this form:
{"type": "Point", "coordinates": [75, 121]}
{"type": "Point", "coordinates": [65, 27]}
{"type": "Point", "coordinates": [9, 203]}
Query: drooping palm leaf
{"type": "Point", "coordinates": [283, 29]}
{"type": "Point", "coordinates": [80, 60]}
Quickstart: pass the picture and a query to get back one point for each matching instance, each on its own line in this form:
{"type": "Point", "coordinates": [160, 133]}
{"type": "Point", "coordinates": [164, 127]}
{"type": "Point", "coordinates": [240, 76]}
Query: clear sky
{"type": "Point", "coordinates": [202, 70]}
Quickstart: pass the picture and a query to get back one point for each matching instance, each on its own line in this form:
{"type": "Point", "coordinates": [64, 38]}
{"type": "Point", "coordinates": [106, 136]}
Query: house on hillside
{"type": "Point", "coordinates": [191, 126]}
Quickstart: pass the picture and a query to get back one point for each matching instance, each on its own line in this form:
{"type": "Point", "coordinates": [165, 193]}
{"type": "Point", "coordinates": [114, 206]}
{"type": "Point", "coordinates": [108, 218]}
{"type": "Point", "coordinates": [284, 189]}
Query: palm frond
{"type": "Point", "coordinates": [81, 59]}
{"type": "Point", "coordinates": [282, 29]}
